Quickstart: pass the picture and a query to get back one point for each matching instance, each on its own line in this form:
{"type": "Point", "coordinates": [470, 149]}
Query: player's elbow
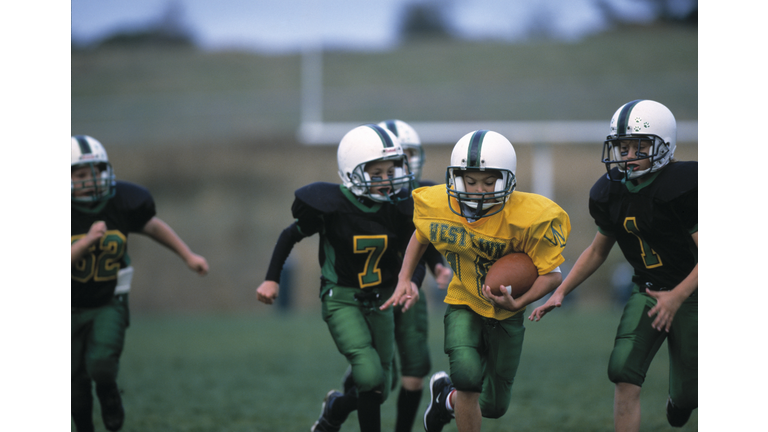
{"type": "Point", "coordinates": [552, 279]}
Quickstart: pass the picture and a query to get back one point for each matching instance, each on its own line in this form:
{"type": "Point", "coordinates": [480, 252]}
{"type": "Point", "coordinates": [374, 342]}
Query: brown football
{"type": "Point", "coordinates": [515, 271]}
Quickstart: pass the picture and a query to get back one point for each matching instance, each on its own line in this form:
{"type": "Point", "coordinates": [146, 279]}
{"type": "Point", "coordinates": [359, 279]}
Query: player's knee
{"type": "Point", "coordinates": [686, 401]}
{"type": "Point", "coordinates": [368, 377]}
{"type": "Point", "coordinates": [103, 370]}
{"type": "Point", "coordinates": [80, 388]}
{"type": "Point", "coordinates": [468, 379]}
{"type": "Point", "coordinates": [494, 411]}
{"type": "Point", "coordinates": [418, 368]}
{"type": "Point", "coordinates": [620, 375]}
{"type": "Point", "coordinates": [620, 372]}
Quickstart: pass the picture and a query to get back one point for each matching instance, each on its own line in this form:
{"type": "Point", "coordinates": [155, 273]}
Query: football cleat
{"type": "Point", "coordinates": [324, 423]}
{"type": "Point", "coordinates": [677, 417]}
{"type": "Point", "coordinates": [112, 412]}
{"type": "Point", "coordinates": [437, 415]}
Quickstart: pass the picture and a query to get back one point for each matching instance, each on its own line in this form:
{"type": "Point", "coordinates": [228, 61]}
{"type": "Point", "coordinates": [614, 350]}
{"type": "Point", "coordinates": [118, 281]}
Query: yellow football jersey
{"type": "Point", "coordinates": [529, 223]}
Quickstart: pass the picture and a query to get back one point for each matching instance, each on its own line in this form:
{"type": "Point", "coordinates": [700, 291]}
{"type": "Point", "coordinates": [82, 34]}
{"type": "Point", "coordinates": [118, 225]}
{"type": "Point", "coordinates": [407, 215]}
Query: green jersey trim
{"type": "Point", "coordinates": [353, 199]}
{"type": "Point", "coordinates": [634, 188]}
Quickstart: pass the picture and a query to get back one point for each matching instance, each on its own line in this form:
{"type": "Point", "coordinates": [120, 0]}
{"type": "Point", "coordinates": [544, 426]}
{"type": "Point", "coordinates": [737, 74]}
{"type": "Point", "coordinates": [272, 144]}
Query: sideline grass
{"type": "Point", "coordinates": [270, 372]}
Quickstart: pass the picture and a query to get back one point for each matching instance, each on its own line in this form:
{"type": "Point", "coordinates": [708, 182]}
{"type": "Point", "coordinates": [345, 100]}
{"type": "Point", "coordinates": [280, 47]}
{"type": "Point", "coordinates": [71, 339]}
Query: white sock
{"type": "Point", "coordinates": [448, 400]}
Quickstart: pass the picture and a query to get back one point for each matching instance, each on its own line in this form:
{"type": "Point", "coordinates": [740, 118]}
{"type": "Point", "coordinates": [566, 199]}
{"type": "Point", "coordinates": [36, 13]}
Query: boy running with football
{"type": "Point", "coordinates": [476, 223]}
{"type": "Point", "coordinates": [648, 204]}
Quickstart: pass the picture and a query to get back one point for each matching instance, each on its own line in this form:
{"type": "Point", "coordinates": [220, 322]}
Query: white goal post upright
{"type": "Point", "coordinates": [542, 135]}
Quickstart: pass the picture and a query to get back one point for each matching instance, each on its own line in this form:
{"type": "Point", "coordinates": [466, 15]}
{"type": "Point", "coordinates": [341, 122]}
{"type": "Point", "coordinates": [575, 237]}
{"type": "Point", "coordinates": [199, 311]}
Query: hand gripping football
{"type": "Point", "coordinates": [515, 271]}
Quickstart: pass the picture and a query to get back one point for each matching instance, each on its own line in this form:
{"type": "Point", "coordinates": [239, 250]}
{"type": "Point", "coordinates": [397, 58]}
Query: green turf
{"type": "Point", "coordinates": [270, 372]}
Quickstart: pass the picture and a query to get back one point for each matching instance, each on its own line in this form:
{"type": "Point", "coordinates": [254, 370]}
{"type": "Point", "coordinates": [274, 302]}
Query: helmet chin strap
{"type": "Point", "coordinates": [472, 213]}
{"type": "Point", "coordinates": [626, 174]}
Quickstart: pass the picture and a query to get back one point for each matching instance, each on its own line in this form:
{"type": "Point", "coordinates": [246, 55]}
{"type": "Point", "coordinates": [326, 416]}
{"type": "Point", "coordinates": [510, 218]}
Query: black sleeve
{"type": "Point", "coordinates": [599, 207]}
{"type": "Point", "coordinates": [419, 273]}
{"type": "Point", "coordinates": [289, 237]}
{"type": "Point", "coordinates": [432, 257]}
{"type": "Point", "coordinates": [137, 203]}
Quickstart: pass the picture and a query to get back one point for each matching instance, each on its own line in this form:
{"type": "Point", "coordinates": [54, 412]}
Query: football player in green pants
{"type": "Point", "coordinates": [104, 212]}
{"type": "Point", "coordinates": [364, 226]}
{"type": "Point", "coordinates": [648, 204]}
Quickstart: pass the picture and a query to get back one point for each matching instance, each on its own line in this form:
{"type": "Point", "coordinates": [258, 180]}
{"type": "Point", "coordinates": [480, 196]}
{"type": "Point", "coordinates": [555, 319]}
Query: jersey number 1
{"type": "Point", "coordinates": [650, 258]}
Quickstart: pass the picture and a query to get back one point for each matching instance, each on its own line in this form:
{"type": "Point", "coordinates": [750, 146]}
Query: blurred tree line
{"type": "Point", "coordinates": [419, 19]}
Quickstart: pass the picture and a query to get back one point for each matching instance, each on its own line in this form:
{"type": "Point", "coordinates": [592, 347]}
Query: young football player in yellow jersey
{"type": "Point", "coordinates": [480, 221]}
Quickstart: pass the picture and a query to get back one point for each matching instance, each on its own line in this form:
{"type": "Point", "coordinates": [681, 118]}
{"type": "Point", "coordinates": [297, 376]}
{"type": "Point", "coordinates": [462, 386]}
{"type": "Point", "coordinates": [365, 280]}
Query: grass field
{"type": "Point", "coordinates": [269, 372]}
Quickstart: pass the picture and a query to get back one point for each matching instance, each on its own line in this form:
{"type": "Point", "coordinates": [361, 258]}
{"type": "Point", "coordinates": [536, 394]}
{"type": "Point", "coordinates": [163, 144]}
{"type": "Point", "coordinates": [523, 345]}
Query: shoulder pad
{"type": "Point", "coordinates": [321, 196]}
{"type": "Point", "coordinates": [131, 194]}
{"type": "Point", "coordinates": [601, 189]}
{"type": "Point", "coordinates": [678, 178]}
{"type": "Point", "coordinates": [405, 206]}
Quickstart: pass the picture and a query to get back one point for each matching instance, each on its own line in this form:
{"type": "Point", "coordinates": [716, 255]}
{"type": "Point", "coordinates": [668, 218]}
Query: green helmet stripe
{"type": "Point", "coordinates": [623, 122]}
{"type": "Point", "coordinates": [85, 148]}
{"type": "Point", "coordinates": [386, 140]}
{"type": "Point", "coordinates": [392, 127]}
{"type": "Point", "coordinates": [474, 149]}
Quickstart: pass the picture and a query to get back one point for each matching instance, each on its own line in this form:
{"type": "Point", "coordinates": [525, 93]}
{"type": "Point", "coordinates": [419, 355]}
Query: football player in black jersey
{"type": "Point", "coordinates": [364, 226]}
{"type": "Point", "coordinates": [411, 328]}
{"type": "Point", "coordinates": [648, 204]}
{"type": "Point", "coordinates": [104, 212]}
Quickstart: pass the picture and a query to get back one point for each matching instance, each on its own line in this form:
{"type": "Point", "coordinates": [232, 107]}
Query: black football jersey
{"type": "Point", "coordinates": [652, 223]}
{"type": "Point", "coordinates": [361, 241]}
{"type": "Point", "coordinates": [94, 276]}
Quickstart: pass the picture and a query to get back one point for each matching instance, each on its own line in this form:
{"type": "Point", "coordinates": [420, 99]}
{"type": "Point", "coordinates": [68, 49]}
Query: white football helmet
{"type": "Point", "coordinates": [481, 150]}
{"type": "Point", "coordinates": [369, 143]}
{"type": "Point", "coordinates": [640, 120]}
{"type": "Point", "coordinates": [410, 141]}
{"type": "Point", "coordinates": [87, 151]}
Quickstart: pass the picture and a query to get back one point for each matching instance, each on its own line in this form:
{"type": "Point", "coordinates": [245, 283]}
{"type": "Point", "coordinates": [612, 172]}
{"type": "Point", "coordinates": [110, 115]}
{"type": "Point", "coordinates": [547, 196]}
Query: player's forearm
{"type": "Point", "coordinates": [413, 254]}
{"type": "Point", "coordinates": [79, 248]}
{"type": "Point", "coordinates": [289, 237]}
{"type": "Point", "coordinates": [165, 235]}
{"type": "Point", "coordinates": [543, 285]}
{"type": "Point", "coordinates": [689, 284]}
{"type": "Point", "coordinates": [589, 261]}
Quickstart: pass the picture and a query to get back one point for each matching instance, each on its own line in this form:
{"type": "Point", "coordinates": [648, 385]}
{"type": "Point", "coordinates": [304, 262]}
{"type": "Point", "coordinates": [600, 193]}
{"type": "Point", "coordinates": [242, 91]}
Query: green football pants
{"type": "Point", "coordinates": [363, 334]}
{"type": "Point", "coordinates": [484, 355]}
{"type": "Point", "coordinates": [637, 343]}
{"type": "Point", "coordinates": [411, 339]}
{"type": "Point", "coordinates": [98, 336]}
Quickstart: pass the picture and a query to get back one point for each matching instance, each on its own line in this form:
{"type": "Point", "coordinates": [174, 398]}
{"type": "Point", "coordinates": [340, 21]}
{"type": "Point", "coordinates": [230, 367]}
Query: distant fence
{"type": "Point", "coordinates": [541, 134]}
